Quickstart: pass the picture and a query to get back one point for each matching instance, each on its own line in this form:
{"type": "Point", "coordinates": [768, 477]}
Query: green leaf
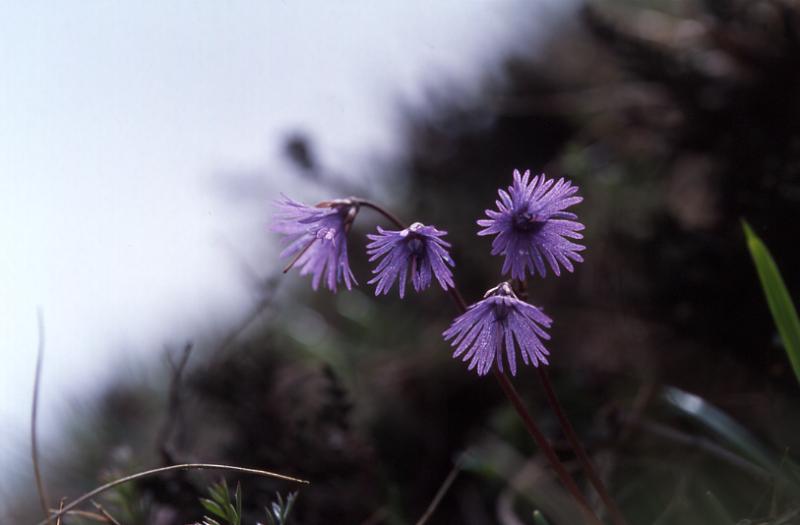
{"type": "Point", "coordinates": [780, 303]}
{"type": "Point", "coordinates": [238, 499]}
{"type": "Point", "coordinates": [233, 517]}
{"type": "Point", "coordinates": [221, 505]}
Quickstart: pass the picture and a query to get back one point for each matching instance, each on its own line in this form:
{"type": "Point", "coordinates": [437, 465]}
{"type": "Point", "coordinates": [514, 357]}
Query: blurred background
{"type": "Point", "coordinates": [141, 147]}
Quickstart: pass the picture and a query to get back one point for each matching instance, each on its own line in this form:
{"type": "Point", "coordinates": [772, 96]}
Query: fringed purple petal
{"type": "Point", "coordinates": [532, 227]}
{"type": "Point", "coordinates": [317, 239]}
{"type": "Point", "coordinates": [417, 252]}
{"type": "Point", "coordinates": [497, 326]}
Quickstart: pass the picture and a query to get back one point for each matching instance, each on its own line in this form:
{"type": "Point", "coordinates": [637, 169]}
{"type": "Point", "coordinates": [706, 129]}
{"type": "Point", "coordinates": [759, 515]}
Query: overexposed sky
{"type": "Point", "coordinates": [116, 121]}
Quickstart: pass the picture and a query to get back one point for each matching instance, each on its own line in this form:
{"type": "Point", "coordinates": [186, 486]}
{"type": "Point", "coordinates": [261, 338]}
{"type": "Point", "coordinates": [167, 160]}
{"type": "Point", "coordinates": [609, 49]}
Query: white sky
{"type": "Point", "coordinates": [116, 117]}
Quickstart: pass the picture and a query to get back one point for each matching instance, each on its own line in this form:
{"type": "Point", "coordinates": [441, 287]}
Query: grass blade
{"type": "Point", "coordinates": [778, 299]}
{"type": "Point", "coordinates": [721, 424]}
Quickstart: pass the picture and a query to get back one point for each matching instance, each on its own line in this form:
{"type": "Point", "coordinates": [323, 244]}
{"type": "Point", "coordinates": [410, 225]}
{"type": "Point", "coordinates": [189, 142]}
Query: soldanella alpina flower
{"type": "Point", "coordinates": [532, 228]}
{"type": "Point", "coordinates": [500, 322]}
{"type": "Point", "coordinates": [317, 239]}
{"type": "Point", "coordinates": [417, 251]}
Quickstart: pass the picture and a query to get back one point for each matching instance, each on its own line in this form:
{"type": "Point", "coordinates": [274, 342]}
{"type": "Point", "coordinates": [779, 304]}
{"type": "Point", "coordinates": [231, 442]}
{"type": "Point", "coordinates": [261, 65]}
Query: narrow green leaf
{"type": "Point", "coordinates": [539, 519]}
{"type": "Point", "coordinates": [290, 499]}
{"type": "Point", "coordinates": [721, 424]}
{"type": "Point", "coordinates": [212, 507]}
{"type": "Point", "coordinates": [238, 501]}
{"type": "Point", "coordinates": [218, 492]}
{"type": "Point", "coordinates": [780, 303]}
{"type": "Point", "coordinates": [233, 517]}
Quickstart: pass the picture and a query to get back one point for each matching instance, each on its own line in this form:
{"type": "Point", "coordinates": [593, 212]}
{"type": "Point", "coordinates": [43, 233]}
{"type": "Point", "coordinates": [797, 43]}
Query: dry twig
{"type": "Point", "coordinates": [173, 406]}
{"type": "Point", "coordinates": [34, 410]}
{"type": "Point", "coordinates": [105, 513]}
{"type": "Point", "coordinates": [186, 466]}
{"type": "Point", "coordinates": [60, 508]}
{"type": "Point", "coordinates": [448, 481]}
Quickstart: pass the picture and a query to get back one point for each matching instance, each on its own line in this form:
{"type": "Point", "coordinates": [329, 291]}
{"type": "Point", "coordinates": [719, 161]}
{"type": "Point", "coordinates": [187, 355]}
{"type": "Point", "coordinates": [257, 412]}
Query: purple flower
{"type": "Point", "coordinates": [532, 226]}
{"type": "Point", "coordinates": [317, 239]}
{"type": "Point", "coordinates": [418, 250]}
{"type": "Point", "coordinates": [497, 322]}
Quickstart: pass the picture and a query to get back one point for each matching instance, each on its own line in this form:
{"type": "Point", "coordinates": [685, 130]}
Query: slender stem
{"type": "Point", "coordinates": [40, 488]}
{"type": "Point", "coordinates": [60, 508]}
{"type": "Point", "coordinates": [91, 516]}
{"type": "Point", "coordinates": [111, 519]}
{"type": "Point", "coordinates": [543, 444]}
{"type": "Point", "coordinates": [186, 466]}
{"type": "Point", "coordinates": [530, 425]}
{"type": "Point", "coordinates": [383, 211]}
{"type": "Point", "coordinates": [572, 437]}
{"type": "Point", "coordinates": [569, 431]}
{"type": "Point", "coordinates": [448, 481]}
{"type": "Point", "coordinates": [459, 299]}
{"type": "Point", "coordinates": [173, 407]}
{"type": "Point", "coordinates": [297, 257]}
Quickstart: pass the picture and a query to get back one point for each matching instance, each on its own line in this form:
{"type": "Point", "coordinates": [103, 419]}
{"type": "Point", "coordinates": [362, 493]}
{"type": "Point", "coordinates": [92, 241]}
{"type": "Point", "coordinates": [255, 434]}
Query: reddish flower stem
{"type": "Point", "coordinates": [383, 211]}
{"type": "Point", "coordinates": [544, 445]}
{"type": "Point", "coordinates": [533, 429]}
{"type": "Point", "coordinates": [513, 397]}
{"type": "Point", "coordinates": [572, 437]}
{"type": "Point", "coordinates": [569, 431]}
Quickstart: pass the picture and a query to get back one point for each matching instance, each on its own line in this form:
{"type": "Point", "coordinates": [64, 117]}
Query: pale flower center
{"type": "Point", "coordinates": [414, 240]}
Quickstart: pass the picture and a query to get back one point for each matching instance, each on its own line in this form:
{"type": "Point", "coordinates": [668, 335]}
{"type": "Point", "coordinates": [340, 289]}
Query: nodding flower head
{"type": "Point", "coordinates": [317, 239]}
{"type": "Point", "coordinates": [500, 321]}
{"type": "Point", "coordinates": [532, 226]}
{"type": "Point", "coordinates": [417, 250]}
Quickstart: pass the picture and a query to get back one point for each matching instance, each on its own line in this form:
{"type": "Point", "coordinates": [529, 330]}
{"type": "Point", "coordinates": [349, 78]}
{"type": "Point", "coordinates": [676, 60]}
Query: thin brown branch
{"type": "Point", "coordinates": [249, 319]}
{"type": "Point", "coordinates": [448, 482]}
{"type": "Point", "coordinates": [173, 406]}
{"type": "Point", "coordinates": [105, 513]}
{"type": "Point", "coordinates": [147, 473]}
{"type": "Point", "coordinates": [297, 257]}
{"type": "Point", "coordinates": [60, 508]}
{"type": "Point", "coordinates": [40, 488]}
{"type": "Point", "coordinates": [93, 516]}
